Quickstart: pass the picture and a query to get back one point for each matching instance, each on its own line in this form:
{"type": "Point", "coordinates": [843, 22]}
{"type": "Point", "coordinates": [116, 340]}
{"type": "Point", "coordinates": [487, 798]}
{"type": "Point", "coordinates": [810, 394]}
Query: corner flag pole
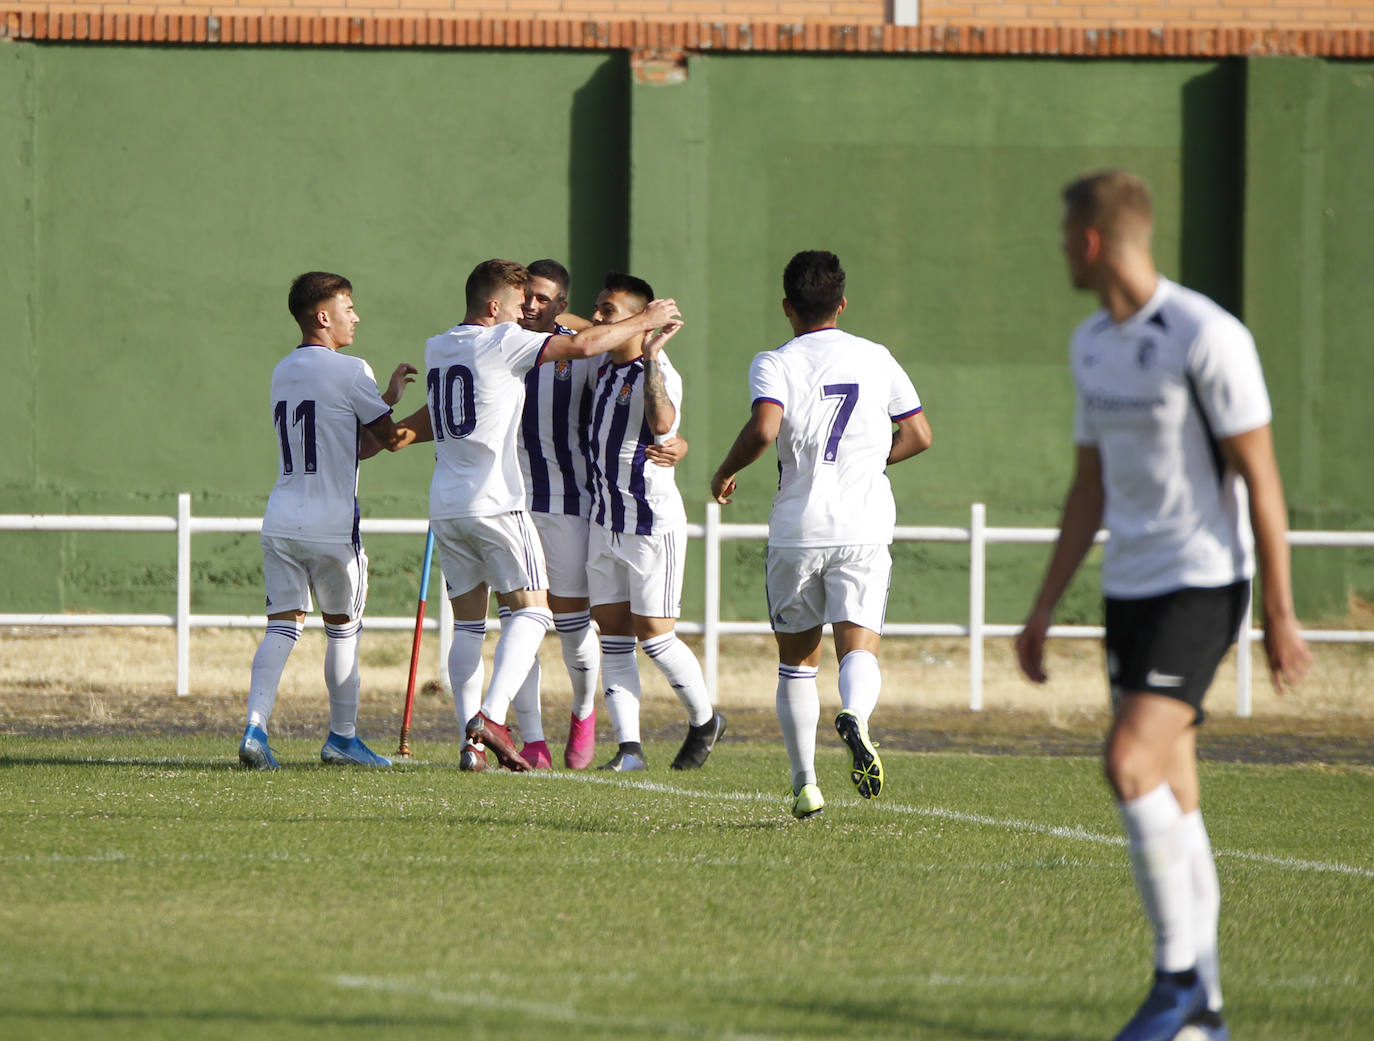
{"type": "Point", "coordinates": [404, 749]}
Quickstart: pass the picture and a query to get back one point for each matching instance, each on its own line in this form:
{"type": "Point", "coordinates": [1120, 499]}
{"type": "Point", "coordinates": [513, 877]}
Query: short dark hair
{"type": "Point", "coordinates": [553, 271]}
{"type": "Point", "coordinates": [1109, 200]}
{"type": "Point", "coordinates": [813, 283]}
{"type": "Point", "coordinates": [619, 282]}
{"type": "Point", "coordinates": [313, 288]}
{"type": "Point", "coordinates": [490, 277]}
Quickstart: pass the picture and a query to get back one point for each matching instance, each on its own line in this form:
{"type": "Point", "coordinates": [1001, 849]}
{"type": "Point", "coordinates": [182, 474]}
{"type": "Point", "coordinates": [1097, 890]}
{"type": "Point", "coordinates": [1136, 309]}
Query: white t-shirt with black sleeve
{"type": "Point", "coordinates": [1155, 395]}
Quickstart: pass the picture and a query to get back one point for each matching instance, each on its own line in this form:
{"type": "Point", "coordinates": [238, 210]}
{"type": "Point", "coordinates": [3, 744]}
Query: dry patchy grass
{"type": "Point", "coordinates": [108, 680]}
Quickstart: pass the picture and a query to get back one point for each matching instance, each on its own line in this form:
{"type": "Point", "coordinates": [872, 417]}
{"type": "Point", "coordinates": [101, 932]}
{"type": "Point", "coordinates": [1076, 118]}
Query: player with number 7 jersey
{"type": "Point", "coordinates": [829, 401]}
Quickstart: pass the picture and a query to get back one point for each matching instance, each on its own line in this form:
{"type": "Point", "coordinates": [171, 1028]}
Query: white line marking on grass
{"type": "Point", "coordinates": [1074, 832]}
{"type": "Point", "coordinates": [562, 1013]}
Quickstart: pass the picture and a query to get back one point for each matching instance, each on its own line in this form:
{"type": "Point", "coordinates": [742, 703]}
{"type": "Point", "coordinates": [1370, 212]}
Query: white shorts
{"type": "Point", "coordinates": [646, 570]}
{"type": "Point", "coordinates": [501, 551]}
{"type": "Point", "coordinates": [336, 571]}
{"type": "Point", "coordinates": [564, 538]}
{"type": "Point", "coordinates": [811, 585]}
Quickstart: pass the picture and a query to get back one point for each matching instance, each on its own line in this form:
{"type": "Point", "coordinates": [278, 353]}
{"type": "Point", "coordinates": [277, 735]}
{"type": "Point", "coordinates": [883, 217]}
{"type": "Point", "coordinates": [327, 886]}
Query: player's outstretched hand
{"type": "Point", "coordinates": [1289, 658]}
{"type": "Point", "coordinates": [723, 488]}
{"type": "Point", "coordinates": [670, 453]}
{"type": "Point", "coordinates": [1030, 648]}
{"type": "Point", "coordinates": [404, 374]}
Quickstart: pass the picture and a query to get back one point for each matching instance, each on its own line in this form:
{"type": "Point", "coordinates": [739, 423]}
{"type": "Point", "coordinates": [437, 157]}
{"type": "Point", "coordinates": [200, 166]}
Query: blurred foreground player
{"type": "Point", "coordinates": [829, 400]}
{"type": "Point", "coordinates": [327, 413]}
{"type": "Point", "coordinates": [1172, 428]}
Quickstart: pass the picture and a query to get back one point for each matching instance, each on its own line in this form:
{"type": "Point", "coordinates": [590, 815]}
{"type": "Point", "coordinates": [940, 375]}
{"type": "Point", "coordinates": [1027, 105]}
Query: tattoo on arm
{"type": "Point", "coordinates": [656, 402]}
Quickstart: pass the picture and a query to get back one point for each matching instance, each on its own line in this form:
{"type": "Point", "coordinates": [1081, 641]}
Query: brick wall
{"type": "Point", "coordinates": [1292, 15]}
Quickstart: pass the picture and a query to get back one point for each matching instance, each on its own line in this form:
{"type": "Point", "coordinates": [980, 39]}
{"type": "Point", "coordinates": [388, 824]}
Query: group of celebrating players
{"type": "Point", "coordinates": [554, 489]}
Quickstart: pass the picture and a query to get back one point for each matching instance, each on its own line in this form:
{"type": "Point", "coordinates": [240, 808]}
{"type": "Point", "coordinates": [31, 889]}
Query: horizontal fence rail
{"type": "Point", "coordinates": [978, 535]}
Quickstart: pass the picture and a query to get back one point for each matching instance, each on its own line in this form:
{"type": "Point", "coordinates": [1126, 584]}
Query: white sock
{"type": "Point", "coordinates": [1160, 861]}
{"type": "Point", "coordinates": [582, 656]}
{"type": "Point", "coordinates": [1206, 905]}
{"type": "Point", "coordinates": [269, 661]}
{"type": "Point", "coordinates": [528, 715]}
{"type": "Point", "coordinates": [620, 676]}
{"type": "Point", "coordinates": [799, 712]}
{"type": "Point", "coordinates": [465, 668]}
{"type": "Point", "coordinates": [526, 703]}
{"type": "Point", "coordinates": [860, 683]}
{"type": "Point", "coordinates": [682, 670]}
{"type": "Point", "coordinates": [515, 654]}
{"type": "Point", "coordinates": [341, 676]}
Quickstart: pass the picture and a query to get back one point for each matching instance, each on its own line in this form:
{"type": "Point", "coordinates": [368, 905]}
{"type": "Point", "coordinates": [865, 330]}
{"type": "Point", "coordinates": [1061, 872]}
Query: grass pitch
{"type": "Point", "coordinates": [152, 890]}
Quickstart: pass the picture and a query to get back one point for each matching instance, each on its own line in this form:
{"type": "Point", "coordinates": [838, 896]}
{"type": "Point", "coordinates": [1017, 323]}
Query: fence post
{"type": "Point", "coordinates": [1244, 672]}
{"type": "Point", "coordinates": [977, 606]}
{"type": "Point", "coordinates": [711, 606]}
{"type": "Point", "coordinates": [183, 594]}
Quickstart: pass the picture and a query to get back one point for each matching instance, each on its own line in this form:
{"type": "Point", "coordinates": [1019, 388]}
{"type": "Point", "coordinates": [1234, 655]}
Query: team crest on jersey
{"type": "Point", "coordinates": [562, 370]}
{"type": "Point", "coordinates": [623, 398]}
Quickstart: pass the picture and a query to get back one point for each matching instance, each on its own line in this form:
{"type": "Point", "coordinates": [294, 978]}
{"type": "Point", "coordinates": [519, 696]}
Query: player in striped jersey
{"type": "Point", "coordinates": [1175, 456]}
{"type": "Point", "coordinates": [638, 533]}
{"type": "Point", "coordinates": [327, 414]}
{"type": "Point", "coordinates": [829, 400]}
{"type": "Point", "coordinates": [553, 459]}
{"type": "Point", "coordinates": [475, 376]}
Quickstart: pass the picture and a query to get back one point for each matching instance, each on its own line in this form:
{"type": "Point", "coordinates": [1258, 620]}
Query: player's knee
{"type": "Point", "coordinates": [1129, 767]}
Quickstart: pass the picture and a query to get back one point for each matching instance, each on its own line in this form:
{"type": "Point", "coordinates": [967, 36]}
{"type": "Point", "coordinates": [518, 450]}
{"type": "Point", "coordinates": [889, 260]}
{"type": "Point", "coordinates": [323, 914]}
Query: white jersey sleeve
{"type": "Point", "coordinates": [904, 401]}
{"type": "Point", "coordinates": [520, 348]}
{"type": "Point", "coordinates": [767, 380]}
{"type": "Point", "coordinates": [1227, 380]}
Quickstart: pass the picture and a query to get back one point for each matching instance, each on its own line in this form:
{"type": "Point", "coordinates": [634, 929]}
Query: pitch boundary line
{"type": "Point", "coordinates": [562, 1013]}
{"type": "Point", "coordinates": [1075, 832]}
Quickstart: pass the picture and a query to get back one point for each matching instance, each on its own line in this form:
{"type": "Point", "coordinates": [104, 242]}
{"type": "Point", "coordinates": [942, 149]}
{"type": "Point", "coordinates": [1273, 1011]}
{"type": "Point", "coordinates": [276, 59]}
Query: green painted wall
{"type": "Point", "coordinates": [936, 181]}
{"type": "Point", "coordinates": [161, 200]}
{"type": "Point", "coordinates": [168, 198]}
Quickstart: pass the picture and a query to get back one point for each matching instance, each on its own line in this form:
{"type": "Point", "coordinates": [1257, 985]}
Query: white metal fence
{"type": "Point", "coordinates": [979, 535]}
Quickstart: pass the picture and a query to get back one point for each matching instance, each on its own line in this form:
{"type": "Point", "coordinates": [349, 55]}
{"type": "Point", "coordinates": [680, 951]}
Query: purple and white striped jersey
{"type": "Point", "coordinates": [553, 434]}
{"type": "Point", "coordinates": [630, 494]}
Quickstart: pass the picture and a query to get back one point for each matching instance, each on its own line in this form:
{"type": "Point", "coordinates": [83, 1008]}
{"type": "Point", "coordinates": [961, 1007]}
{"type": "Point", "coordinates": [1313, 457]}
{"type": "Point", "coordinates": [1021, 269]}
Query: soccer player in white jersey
{"type": "Point", "coordinates": [1176, 457]}
{"type": "Point", "coordinates": [553, 460]}
{"type": "Point", "coordinates": [638, 538]}
{"type": "Point", "coordinates": [475, 378]}
{"type": "Point", "coordinates": [829, 400]}
{"type": "Point", "coordinates": [327, 414]}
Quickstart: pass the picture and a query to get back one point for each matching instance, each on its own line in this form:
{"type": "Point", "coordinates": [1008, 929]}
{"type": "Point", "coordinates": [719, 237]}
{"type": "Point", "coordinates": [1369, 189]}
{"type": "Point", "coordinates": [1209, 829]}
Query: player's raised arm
{"type": "Point", "coordinates": [600, 339]}
{"type": "Point", "coordinates": [659, 411]}
{"type": "Point", "coordinates": [760, 431]}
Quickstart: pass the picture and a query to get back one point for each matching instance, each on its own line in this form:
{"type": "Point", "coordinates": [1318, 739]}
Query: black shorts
{"type": "Point", "coordinates": [1172, 644]}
